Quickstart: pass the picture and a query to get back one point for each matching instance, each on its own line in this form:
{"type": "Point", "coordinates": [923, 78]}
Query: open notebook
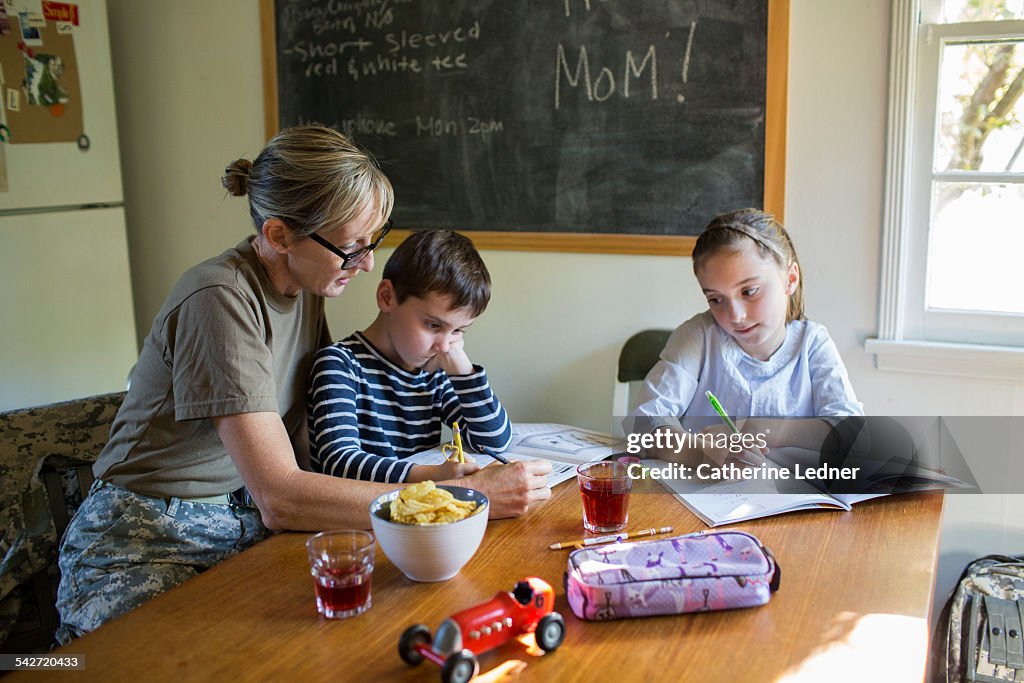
{"type": "Point", "coordinates": [563, 446]}
{"type": "Point", "coordinates": [731, 501]}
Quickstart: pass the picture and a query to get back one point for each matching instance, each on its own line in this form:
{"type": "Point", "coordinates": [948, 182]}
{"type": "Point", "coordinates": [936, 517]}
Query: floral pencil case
{"type": "Point", "coordinates": [694, 573]}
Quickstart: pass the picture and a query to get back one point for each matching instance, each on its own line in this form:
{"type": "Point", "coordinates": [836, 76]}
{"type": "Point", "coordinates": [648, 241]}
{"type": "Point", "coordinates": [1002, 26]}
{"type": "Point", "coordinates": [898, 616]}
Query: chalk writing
{"type": "Point", "coordinates": [360, 125]}
{"type": "Point", "coordinates": [686, 59]}
{"type": "Point", "coordinates": [362, 54]}
{"type": "Point", "coordinates": [380, 17]}
{"type": "Point", "coordinates": [436, 126]}
{"type": "Point", "coordinates": [602, 86]}
{"type": "Point", "coordinates": [306, 51]}
{"type": "Point", "coordinates": [415, 41]}
{"type": "Point", "coordinates": [483, 128]}
{"type": "Point", "coordinates": [497, 114]}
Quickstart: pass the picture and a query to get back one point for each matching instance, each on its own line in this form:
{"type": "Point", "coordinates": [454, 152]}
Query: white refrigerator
{"type": "Point", "coordinates": [67, 326]}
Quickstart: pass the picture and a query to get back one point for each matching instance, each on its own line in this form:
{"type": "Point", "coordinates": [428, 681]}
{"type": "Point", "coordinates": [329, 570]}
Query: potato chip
{"type": "Point", "coordinates": [424, 503]}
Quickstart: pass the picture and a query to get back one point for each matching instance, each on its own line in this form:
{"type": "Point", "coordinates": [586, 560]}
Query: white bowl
{"type": "Point", "coordinates": [431, 552]}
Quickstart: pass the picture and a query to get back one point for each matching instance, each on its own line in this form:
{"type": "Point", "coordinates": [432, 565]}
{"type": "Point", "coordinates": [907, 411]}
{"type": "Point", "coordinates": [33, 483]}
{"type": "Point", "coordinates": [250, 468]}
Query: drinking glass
{"type": "Point", "coordinates": [341, 563]}
{"type": "Point", "coordinates": [604, 487]}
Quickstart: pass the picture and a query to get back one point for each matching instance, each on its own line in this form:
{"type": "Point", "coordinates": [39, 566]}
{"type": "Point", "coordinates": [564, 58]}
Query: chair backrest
{"type": "Point", "coordinates": [637, 357]}
{"type": "Point", "coordinates": [46, 455]}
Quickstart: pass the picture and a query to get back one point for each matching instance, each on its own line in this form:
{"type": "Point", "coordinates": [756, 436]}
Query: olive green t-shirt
{"type": "Point", "coordinates": [225, 342]}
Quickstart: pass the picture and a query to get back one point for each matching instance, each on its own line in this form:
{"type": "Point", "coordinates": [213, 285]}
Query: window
{"type": "Point", "coordinates": [953, 242]}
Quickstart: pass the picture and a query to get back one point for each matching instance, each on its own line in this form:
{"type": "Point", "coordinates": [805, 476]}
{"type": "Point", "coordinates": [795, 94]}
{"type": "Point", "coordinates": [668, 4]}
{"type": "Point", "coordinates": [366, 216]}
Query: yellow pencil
{"type": "Point", "coordinates": [457, 440]}
{"type": "Point", "coordinates": [610, 538]}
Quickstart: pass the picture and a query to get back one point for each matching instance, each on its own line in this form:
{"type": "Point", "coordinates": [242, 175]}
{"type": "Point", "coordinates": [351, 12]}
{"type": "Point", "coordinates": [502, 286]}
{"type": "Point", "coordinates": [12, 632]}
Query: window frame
{"type": "Point", "coordinates": [911, 337]}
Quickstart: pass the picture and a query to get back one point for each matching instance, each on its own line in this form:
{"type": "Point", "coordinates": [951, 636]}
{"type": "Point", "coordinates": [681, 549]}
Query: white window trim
{"type": "Point", "coordinates": [891, 349]}
{"type": "Point", "coordinates": [939, 358]}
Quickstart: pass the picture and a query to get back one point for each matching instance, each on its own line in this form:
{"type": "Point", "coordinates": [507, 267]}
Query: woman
{"type": "Point", "coordinates": [216, 408]}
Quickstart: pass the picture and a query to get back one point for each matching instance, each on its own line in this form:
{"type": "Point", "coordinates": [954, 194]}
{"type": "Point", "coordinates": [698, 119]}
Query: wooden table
{"type": "Point", "coordinates": [853, 606]}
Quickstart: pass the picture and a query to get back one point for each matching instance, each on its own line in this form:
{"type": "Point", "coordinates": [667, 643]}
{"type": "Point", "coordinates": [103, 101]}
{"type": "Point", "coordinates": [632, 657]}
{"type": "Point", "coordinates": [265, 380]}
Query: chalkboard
{"type": "Point", "coordinates": [624, 118]}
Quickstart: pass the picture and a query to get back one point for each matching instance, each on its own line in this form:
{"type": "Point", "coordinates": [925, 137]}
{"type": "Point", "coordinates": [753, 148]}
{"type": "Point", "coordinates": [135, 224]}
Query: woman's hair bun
{"type": "Point", "coordinates": [236, 177]}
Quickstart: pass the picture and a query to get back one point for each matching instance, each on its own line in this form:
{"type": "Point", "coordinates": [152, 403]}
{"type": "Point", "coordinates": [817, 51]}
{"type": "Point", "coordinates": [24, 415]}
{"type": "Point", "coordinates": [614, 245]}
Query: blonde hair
{"type": "Point", "coordinates": [729, 231]}
{"type": "Point", "coordinates": [309, 177]}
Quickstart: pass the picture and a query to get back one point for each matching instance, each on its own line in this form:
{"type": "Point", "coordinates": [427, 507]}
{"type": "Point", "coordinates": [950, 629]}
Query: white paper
{"type": "Point", "coordinates": [731, 501]}
{"type": "Point", "coordinates": [563, 446]}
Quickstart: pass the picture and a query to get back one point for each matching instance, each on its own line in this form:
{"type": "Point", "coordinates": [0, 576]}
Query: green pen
{"type": "Point", "coordinates": [721, 411]}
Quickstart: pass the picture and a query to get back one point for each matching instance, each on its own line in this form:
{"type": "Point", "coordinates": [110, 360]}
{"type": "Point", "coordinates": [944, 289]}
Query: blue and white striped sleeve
{"type": "Point", "coordinates": [482, 419]}
{"type": "Point", "coordinates": [334, 427]}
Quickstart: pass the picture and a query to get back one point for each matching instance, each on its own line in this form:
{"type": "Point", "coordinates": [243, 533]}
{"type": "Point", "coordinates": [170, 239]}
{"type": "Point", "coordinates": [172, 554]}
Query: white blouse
{"type": "Point", "coordinates": [805, 377]}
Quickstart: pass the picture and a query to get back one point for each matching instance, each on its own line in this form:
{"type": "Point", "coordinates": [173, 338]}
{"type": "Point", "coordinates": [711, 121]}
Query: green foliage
{"type": "Point", "coordinates": [985, 10]}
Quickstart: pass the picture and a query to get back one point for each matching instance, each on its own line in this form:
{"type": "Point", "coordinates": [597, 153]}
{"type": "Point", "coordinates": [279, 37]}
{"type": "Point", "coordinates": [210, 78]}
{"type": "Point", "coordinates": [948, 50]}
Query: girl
{"type": "Point", "coordinates": [752, 348]}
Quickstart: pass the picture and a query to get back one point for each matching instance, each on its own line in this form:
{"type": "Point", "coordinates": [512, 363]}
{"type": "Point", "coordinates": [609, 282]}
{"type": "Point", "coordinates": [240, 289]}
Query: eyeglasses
{"type": "Point", "coordinates": [351, 260]}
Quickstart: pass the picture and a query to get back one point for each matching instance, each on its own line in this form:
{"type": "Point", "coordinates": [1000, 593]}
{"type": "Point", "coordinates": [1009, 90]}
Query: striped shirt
{"type": "Point", "coordinates": [366, 414]}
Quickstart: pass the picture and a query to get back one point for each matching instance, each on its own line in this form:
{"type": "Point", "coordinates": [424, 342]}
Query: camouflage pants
{"type": "Point", "coordinates": [124, 548]}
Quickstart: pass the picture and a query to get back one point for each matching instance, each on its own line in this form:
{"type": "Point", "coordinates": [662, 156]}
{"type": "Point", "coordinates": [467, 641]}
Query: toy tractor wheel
{"type": "Point", "coordinates": [418, 634]}
{"type": "Point", "coordinates": [459, 668]}
{"type": "Point", "coordinates": [550, 631]}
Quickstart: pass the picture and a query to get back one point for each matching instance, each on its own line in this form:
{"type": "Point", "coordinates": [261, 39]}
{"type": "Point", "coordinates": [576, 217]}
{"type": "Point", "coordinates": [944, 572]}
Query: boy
{"type": "Point", "coordinates": [382, 394]}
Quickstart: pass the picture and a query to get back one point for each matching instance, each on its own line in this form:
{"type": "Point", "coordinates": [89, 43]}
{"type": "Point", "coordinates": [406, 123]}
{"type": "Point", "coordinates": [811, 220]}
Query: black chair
{"type": "Point", "coordinates": [637, 357]}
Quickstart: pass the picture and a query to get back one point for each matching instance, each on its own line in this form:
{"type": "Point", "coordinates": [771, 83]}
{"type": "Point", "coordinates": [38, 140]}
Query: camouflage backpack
{"type": "Point", "coordinates": [979, 631]}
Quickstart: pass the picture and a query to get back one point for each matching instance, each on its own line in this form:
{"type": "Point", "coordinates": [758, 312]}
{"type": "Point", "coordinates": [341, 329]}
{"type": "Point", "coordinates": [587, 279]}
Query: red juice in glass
{"type": "Point", "coordinates": [342, 592]}
{"type": "Point", "coordinates": [604, 488]}
{"type": "Point", "coordinates": [341, 563]}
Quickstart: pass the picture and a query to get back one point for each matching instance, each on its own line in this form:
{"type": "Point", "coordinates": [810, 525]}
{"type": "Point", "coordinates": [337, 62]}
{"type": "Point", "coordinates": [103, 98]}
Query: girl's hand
{"type": "Point", "coordinates": [731, 451]}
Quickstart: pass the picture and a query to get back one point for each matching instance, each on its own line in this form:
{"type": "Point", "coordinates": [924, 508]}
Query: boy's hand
{"type": "Point", "coordinates": [442, 472]}
{"type": "Point", "coordinates": [453, 362]}
{"type": "Point", "coordinates": [512, 488]}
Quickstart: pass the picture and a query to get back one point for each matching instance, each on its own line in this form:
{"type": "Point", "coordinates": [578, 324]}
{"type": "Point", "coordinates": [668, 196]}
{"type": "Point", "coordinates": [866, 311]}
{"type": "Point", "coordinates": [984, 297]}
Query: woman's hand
{"type": "Point", "coordinates": [512, 488]}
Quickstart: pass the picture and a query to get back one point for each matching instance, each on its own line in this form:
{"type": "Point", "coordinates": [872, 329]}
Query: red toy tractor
{"type": "Point", "coordinates": [462, 636]}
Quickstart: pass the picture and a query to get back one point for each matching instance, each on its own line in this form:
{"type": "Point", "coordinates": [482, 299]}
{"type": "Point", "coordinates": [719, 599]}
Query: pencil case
{"type": "Point", "coordinates": [695, 573]}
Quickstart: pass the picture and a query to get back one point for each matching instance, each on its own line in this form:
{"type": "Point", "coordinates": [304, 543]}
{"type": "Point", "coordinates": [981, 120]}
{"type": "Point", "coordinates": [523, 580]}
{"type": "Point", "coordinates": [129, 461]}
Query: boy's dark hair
{"type": "Point", "coordinates": [440, 261]}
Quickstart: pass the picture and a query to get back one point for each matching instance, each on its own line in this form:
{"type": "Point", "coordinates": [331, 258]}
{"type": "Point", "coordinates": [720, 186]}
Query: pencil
{"type": "Point", "coordinates": [611, 538]}
{"type": "Point", "coordinates": [457, 441]}
{"type": "Point", "coordinates": [497, 456]}
{"type": "Point", "coordinates": [713, 400]}
{"type": "Point", "coordinates": [721, 412]}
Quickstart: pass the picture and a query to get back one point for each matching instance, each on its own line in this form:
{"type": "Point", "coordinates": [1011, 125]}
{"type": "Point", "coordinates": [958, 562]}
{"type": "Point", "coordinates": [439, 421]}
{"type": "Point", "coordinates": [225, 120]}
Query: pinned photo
{"type": "Point", "coordinates": [34, 17]}
{"type": "Point", "coordinates": [42, 80]}
{"type": "Point", "coordinates": [30, 34]}
{"type": "Point", "coordinates": [13, 99]}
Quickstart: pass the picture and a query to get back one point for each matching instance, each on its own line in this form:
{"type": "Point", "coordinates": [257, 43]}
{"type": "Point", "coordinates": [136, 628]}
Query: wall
{"type": "Point", "coordinates": [189, 101]}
